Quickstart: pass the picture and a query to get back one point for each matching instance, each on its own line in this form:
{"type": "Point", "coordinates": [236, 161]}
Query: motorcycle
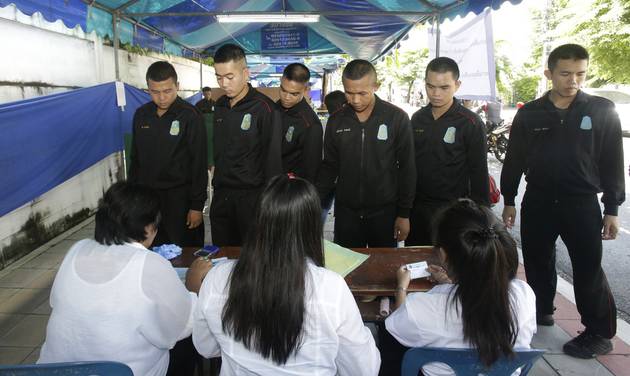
{"type": "Point", "coordinates": [497, 134]}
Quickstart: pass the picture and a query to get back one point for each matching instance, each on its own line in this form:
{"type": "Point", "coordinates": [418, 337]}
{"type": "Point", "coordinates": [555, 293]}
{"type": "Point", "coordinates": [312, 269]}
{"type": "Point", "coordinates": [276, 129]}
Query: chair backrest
{"type": "Point", "coordinates": [71, 368]}
{"type": "Point", "coordinates": [465, 362]}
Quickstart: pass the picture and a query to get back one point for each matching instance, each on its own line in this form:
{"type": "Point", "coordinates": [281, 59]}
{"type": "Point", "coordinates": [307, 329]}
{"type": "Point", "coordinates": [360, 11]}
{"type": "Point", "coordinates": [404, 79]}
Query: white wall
{"type": "Point", "coordinates": [40, 58]}
{"type": "Point", "coordinates": [79, 192]}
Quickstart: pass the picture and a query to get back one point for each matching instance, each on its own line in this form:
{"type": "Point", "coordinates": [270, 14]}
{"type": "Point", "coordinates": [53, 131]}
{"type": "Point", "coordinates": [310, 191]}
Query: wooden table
{"type": "Point", "coordinates": [374, 277]}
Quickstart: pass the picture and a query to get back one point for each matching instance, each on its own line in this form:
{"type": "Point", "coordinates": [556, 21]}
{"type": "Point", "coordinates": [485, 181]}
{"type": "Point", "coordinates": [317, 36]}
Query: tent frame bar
{"type": "Point", "coordinates": [116, 44]}
{"type": "Point", "coordinates": [249, 13]}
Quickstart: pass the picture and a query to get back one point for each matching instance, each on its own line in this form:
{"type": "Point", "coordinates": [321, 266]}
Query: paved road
{"type": "Point", "coordinates": [616, 257]}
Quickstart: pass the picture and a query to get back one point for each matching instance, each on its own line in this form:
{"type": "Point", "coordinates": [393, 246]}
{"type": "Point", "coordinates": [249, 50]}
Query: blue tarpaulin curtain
{"type": "Point", "coordinates": [48, 140]}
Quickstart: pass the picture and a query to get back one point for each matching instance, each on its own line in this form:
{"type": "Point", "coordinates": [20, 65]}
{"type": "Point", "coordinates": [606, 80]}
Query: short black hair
{"type": "Point", "coordinates": [206, 88]}
{"type": "Point", "coordinates": [357, 69]}
{"type": "Point", "coordinates": [297, 72]}
{"type": "Point", "coordinates": [229, 52]}
{"type": "Point", "coordinates": [334, 100]}
{"type": "Point", "coordinates": [566, 52]}
{"type": "Point", "coordinates": [123, 213]}
{"type": "Point", "coordinates": [443, 64]}
{"type": "Point", "coordinates": [161, 71]}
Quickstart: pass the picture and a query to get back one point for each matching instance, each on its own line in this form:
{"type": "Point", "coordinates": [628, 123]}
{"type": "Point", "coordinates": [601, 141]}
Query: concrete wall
{"type": "Point", "coordinates": [40, 58]}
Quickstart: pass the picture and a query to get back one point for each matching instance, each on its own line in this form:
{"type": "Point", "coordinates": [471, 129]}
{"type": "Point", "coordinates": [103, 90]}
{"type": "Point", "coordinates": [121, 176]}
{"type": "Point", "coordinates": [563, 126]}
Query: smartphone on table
{"type": "Point", "coordinates": [207, 251]}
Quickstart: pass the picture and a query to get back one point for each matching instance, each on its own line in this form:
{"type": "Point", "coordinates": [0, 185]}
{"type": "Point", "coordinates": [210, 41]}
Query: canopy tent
{"type": "Point", "coordinates": [360, 28]}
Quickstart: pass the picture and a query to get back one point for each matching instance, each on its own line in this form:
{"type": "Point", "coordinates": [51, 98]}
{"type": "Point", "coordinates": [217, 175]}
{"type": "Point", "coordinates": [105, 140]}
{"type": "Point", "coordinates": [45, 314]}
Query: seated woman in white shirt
{"type": "Point", "coordinates": [113, 299]}
{"type": "Point", "coordinates": [484, 306]}
{"type": "Point", "coordinates": [277, 310]}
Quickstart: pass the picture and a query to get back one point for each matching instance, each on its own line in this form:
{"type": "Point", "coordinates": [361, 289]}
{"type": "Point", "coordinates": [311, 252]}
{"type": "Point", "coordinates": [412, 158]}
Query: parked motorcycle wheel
{"type": "Point", "coordinates": [500, 148]}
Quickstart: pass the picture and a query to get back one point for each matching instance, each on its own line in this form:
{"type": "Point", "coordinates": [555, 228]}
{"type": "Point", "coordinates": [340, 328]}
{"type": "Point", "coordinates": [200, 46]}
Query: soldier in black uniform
{"type": "Point", "coordinates": [303, 132]}
{"type": "Point", "coordinates": [368, 159]}
{"type": "Point", "coordinates": [247, 137]}
{"type": "Point", "coordinates": [206, 104]}
{"type": "Point", "coordinates": [450, 146]}
{"type": "Point", "coordinates": [169, 154]}
{"type": "Point", "coordinates": [568, 144]}
{"type": "Point", "coordinates": [334, 101]}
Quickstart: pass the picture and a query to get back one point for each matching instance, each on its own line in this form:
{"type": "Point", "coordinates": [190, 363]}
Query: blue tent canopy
{"type": "Point", "coordinates": [364, 29]}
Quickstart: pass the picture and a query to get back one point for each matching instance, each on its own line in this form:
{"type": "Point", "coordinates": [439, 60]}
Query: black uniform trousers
{"type": "Point", "coordinates": [391, 350]}
{"type": "Point", "coordinates": [578, 222]}
{"type": "Point", "coordinates": [421, 221]}
{"type": "Point", "coordinates": [174, 206]}
{"type": "Point", "coordinates": [359, 229]}
{"type": "Point", "coordinates": [232, 214]}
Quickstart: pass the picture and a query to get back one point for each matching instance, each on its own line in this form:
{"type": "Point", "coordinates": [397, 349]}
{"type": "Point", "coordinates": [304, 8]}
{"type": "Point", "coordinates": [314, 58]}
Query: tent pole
{"type": "Point", "coordinates": [116, 45]}
{"type": "Point", "coordinates": [325, 79]}
{"type": "Point", "coordinates": [200, 73]}
{"type": "Point", "coordinates": [437, 35]}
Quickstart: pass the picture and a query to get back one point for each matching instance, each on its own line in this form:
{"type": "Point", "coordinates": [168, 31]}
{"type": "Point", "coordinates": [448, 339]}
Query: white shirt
{"type": "Point", "coordinates": [430, 320]}
{"type": "Point", "coordinates": [122, 303]}
{"type": "Point", "coordinates": [335, 341]}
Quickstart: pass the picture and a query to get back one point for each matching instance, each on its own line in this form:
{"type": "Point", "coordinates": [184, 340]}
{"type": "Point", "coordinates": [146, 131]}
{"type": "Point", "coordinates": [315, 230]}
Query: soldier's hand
{"type": "Point", "coordinates": [509, 215]}
{"type": "Point", "coordinates": [194, 218]}
{"type": "Point", "coordinates": [610, 227]}
{"type": "Point", "coordinates": [401, 228]}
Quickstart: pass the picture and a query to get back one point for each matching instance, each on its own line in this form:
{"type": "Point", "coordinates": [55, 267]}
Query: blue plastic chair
{"type": "Point", "coordinates": [70, 368]}
{"type": "Point", "coordinates": [465, 362]}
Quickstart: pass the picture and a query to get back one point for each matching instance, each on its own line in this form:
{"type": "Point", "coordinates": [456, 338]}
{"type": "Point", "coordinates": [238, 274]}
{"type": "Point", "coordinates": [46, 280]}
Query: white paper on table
{"type": "Point", "coordinates": [418, 269]}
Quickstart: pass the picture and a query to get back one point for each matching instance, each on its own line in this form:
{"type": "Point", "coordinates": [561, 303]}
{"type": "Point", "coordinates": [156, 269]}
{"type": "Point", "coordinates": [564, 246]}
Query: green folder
{"type": "Point", "coordinates": [342, 260]}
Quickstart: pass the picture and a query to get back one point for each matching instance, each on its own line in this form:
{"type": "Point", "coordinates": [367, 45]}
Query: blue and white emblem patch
{"type": "Point", "coordinates": [449, 136]}
{"type": "Point", "coordinates": [247, 122]}
{"type": "Point", "coordinates": [289, 135]}
{"type": "Point", "coordinates": [382, 132]}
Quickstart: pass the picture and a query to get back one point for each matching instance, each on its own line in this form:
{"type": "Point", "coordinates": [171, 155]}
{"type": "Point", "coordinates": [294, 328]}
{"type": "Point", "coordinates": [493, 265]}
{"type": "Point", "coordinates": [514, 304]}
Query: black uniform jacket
{"type": "Point", "coordinates": [302, 141]}
{"type": "Point", "coordinates": [205, 106]}
{"type": "Point", "coordinates": [247, 141]}
{"type": "Point", "coordinates": [171, 150]}
{"type": "Point", "coordinates": [580, 155]}
{"type": "Point", "coordinates": [370, 164]}
{"type": "Point", "coordinates": [451, 155]}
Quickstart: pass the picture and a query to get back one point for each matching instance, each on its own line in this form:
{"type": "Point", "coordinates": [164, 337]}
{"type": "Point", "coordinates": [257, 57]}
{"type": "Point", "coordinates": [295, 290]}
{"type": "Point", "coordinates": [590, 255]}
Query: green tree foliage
{"type": "Point", "coordinates": [606, 34]}
{"type": "Point", "coordinates": [412, 65]}
{"type": "Point", "coordinates": [503, 72]}
{"type": "Point", "coordinates": [386, 72]}
{"type": "Point", "coordinates": [525, 88]}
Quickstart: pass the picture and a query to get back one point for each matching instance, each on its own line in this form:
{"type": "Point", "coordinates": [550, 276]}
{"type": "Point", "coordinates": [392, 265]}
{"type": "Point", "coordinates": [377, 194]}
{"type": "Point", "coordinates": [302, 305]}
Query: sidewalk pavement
{"type": "Point", "coordinates": [24, 311]}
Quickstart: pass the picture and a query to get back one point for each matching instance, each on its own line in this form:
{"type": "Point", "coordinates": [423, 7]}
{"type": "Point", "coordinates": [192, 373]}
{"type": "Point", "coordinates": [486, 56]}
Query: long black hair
{"type": "Point", "coordinates": [266, 302]}
{"type": "Point", "coordinates": [482, 260]}
{"type": "Point", "coordinates": [124, 212]}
